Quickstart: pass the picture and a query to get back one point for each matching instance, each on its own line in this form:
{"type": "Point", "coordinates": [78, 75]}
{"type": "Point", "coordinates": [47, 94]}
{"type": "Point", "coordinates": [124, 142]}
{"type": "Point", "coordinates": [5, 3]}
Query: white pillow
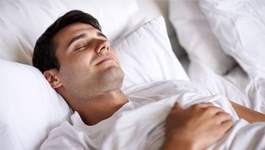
{"type": "Point", "coordinates": [146, 55]}
{"type": "Point", "coordinates": [148, 10]}
{"type": "Point", "coordinates": [22, 22]}
{"type": "Point", "coordinates": [29, 107]}
{"type": "Point", "coordinates": [240, 28]}
{"type": "Point", "coordinates": [196, 37]}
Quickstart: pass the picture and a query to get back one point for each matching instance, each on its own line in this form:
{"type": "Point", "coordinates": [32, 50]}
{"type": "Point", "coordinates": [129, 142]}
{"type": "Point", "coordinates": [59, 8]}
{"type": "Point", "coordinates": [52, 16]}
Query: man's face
{"type": "Point", "coordinates": [88, 65]}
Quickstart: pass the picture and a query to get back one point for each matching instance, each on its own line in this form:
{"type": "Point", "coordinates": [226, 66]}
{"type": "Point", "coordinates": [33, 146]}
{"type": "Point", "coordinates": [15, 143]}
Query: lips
{"type": "Point", "coordinates": [103, 59]}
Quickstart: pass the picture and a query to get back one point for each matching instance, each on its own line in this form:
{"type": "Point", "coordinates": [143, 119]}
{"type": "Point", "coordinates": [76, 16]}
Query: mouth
{"type": "Point", "coordinates": [104, 59]}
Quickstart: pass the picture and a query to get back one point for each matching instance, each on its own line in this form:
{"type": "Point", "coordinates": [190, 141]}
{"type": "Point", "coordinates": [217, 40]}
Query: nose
{"type": "Point", "coordinates": [104, 46]}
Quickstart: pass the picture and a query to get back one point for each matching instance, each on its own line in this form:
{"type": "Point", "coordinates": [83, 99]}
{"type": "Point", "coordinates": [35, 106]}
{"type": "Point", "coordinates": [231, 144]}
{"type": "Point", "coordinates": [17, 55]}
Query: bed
{"type": "Point", "coordinates": [203, 41]}
{"type": "Point", "coordinates": [223, 41]}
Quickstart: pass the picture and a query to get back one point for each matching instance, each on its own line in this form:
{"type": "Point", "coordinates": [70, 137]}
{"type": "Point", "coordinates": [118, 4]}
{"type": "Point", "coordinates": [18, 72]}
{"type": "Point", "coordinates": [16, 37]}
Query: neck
{"type": "Point", "coordinates": [100, 107]}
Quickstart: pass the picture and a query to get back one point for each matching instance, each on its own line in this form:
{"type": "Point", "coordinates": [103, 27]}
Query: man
{"type": "Point", "coordinates": [76, 59]}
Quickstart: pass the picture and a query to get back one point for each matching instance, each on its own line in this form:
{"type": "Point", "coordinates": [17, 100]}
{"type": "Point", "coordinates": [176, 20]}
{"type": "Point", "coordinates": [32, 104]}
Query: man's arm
{"type": "Point", "coordinates": [197, 127]}
{"type": "Point", "coordinates": [250, 115]}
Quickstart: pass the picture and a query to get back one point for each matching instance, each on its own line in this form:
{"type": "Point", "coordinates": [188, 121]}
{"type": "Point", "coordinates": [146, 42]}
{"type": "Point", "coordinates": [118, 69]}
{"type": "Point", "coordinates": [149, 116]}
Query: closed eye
{"type": "Point", "coordinates": [80, 47]}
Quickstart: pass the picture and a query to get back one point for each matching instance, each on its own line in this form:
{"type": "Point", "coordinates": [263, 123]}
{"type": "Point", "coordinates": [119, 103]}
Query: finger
{"type": "Point", "coordinates": [227, 125]}
{"type": "Point", "coordinates": [213, 110]}
{"type": "Point", "coordinates": [223, 117]}
{"type": "Point", "coordinates": [202, 105]}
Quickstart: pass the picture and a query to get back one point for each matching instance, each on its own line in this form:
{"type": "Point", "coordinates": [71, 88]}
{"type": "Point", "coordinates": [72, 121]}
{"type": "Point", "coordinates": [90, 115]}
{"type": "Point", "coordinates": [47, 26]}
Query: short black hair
{"type": "Point", "coordinates": [44, 57]}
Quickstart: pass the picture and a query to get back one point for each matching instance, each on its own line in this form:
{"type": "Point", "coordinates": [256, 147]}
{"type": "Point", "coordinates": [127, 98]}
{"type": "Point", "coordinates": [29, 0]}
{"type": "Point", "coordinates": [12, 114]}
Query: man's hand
{"type": "Point", "coordinates": [197, 127]}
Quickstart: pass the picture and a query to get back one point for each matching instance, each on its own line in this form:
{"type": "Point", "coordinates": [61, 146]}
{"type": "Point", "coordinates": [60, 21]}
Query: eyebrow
{"type": "Point", "coordinates": [102, 35]}
{"type": "Point", "coordinates": [83, 35]}
{"type": "Point", "coordinates": [76, 38]}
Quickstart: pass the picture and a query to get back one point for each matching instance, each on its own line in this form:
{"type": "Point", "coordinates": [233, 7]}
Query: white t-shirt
{"type": "Point", "coordinates": [139, 124]}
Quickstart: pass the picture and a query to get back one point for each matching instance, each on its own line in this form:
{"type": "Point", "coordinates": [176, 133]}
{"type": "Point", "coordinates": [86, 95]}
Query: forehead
{"type": "Point", "coordinates": [66, 33]}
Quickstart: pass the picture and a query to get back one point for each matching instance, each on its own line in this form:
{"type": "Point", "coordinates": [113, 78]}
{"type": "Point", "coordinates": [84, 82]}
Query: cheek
{"type": "Point", "coordinates": [115, 56]}
{"type": "Point", "coordinates": [73, 71]}
{"type": "Point", "coordinates": [77, 63]}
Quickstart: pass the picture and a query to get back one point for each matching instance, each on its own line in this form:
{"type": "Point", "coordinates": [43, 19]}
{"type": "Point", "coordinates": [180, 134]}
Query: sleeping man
{"type": "Point", "coordinates": [76, 59]}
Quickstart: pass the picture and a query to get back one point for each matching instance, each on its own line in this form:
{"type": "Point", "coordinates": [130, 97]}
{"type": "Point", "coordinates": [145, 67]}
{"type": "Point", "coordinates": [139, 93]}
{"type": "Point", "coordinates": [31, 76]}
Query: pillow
{"type": "Point", "coordinates": [240, 28]}
{"type": "Point", "coordinates": [146, 55]}
{"type": "Point", "coordinates": [196, 37]}
{"type": "Point", "coordinates": [150, 9]}
{"type": "Point", "coordinates": [29, 107]}
{"type": "Point", "coordinates": [22, 22]}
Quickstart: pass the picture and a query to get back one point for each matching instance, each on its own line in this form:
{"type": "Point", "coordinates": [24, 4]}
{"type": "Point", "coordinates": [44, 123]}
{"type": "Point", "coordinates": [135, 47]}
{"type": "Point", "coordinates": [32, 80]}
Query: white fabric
{"type": "Point", "coordinates": [235, 85]}
{"type": "Point", "coordinates": [22, 22]}
{"type": "Point", "coordinates": [150, 9]}
{"type": "Point", "coordinates": [216, 83]}
{"type": "Point", "coordinates": [196, 37]}
{"type": "Point", "coordinates": [146, 55]}
{"type": "Point", "coordinates": [238, 77]}
{"type": "Point", "coordinates": [254, 91]}
{"type": "Point", "coordinates": [239, 26]}
{"type": "Point", "coordinates": [29, 107]}
{"type": "Point", "coordinates": [139, 124]}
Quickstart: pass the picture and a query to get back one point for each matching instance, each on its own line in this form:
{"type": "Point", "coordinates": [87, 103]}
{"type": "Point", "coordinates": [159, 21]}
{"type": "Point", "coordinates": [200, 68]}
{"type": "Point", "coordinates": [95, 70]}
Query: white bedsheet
{"type": "Point", "coordinates": [236, 85]}
{"type": "Point", "coordinates": [239, 26]}
{"type": "Point", "coordinates": [143, 127]}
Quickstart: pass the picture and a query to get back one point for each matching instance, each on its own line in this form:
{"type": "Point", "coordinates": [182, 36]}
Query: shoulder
{"type": "Point", "coordinates": [66, 136]}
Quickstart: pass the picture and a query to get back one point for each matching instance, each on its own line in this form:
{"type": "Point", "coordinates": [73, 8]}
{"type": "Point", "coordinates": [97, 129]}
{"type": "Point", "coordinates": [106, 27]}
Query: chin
{"type": "Point", "coordinates": [114, 74]}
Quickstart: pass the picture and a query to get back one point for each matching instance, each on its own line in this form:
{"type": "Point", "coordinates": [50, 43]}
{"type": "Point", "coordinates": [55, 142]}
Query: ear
{"type": "Point", "coordinates": [53, 78]}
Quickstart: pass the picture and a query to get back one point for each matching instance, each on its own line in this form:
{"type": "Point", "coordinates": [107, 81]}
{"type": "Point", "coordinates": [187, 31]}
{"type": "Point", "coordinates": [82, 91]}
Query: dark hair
{"type": "Point", "coordinates": [45, 48]}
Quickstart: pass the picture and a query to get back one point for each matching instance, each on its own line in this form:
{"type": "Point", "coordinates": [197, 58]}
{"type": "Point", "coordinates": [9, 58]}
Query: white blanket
{"type": "Point", "coordinates": [141, 124]}
{"type": "Point", "coordinates": [239, 26]}
{"type": "Point", "coordinates": [251, 94]}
